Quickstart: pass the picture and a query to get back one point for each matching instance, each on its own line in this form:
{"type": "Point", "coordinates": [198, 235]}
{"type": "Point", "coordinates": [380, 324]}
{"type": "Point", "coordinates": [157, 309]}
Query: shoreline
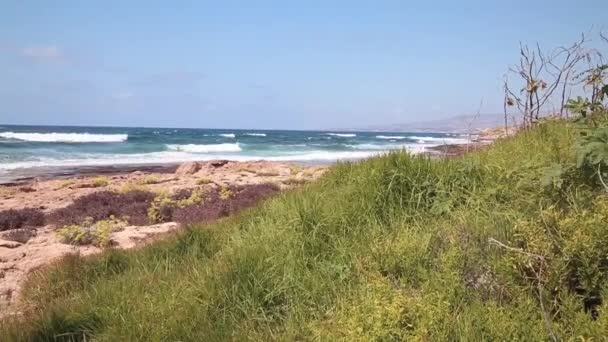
{"type": "Point", "coordinates": [26, 247]}
{"type": "Point", "coordinates": [66, 172]}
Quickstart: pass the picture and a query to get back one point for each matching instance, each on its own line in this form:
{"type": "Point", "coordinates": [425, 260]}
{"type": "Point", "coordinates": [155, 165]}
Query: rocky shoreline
{"type": "Point", "coordinates": [24, 249]}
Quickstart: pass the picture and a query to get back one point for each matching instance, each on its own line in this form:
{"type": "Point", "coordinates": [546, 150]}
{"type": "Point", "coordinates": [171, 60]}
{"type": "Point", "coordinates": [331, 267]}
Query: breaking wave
{"type": "Point", "coordinates": [390, 137]}
{"type": "Point", "coordinates": [211, 148]}
{"type": "Point", "coordinates": [342, 135]}
{"type": "Point", "coordinates": [65, 137]}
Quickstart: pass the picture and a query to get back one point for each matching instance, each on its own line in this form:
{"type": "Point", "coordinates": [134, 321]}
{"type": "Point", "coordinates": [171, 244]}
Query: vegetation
{"type": "Point", "coordinates": [203, 181]}
{"type": "Point", "coordinates": [501, 244]}
{"type": "Point", "coordinates": [19, 218]}
{"type": "Point", "coordinates": [207, 204]}
{"type": "Point", "coordinates": [102, 205]}
{"type": "Point", "coordinates": [267, 174]}
{"type": "Point", "coordinates": [294, 181]}
{"type": "Point", "coordinates": [65, 183]}
{"type": "Point", "coordinates": [92, 233]}
{"type": "Point", "coordinates": [150, 179]}
{"type": "Point", "coordinates": [100, 182]}
{"type": "Point", "coordinates": [7, 191]}
{"type": "Point", "coordinates": [21, 235]}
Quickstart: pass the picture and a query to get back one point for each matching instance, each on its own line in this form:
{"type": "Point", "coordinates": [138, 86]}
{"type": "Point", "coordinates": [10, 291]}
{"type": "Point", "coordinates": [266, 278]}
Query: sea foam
{"type": "Point", "coordinates": [390, 137]}
{"type": "Point", "coordinates": [256, 134]}
{"type": "Point", "coordinates": [167, 157]}
{"type": "Point", "coordinates": [210, 148]}
{"type": "Point", "coordinates": [342, 135]}
{"type": "Point", "coordinates": [439, 140]}
{"type": "Point", "coordinates": [228, 135]}
{"type": "Point", "coordinates": [65, 137]}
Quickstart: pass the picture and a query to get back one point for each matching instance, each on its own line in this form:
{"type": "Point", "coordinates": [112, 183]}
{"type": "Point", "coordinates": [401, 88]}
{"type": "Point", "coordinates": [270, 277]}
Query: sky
{"type": "Point", "coordinates": [268, 64]}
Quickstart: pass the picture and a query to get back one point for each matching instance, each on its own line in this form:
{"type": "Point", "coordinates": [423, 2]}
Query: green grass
{"type": "Point", "coordinates": [393, 248]}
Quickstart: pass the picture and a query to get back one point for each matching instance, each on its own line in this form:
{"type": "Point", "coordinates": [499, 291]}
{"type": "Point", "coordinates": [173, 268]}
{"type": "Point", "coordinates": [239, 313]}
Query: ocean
{"type": "Point", "coordinates": [25, 149]}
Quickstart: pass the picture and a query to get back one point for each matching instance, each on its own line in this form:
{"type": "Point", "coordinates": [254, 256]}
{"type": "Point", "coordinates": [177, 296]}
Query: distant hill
{"type": "Point", "coordinates": [456, 124]}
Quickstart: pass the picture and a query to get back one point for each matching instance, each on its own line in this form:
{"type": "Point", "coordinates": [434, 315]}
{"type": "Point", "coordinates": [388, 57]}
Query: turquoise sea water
{"type": "Point", "coordinates": [25, 148]}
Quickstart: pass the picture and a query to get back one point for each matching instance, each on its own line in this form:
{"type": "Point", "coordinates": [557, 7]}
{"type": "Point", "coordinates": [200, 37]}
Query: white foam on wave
{"type": "Point", "coordinates": [440, 140]}
{"type": "Point", "coordinates": [390, 137]}
{"type": "Point", "coordinates": [228, 135]}
{"type": "Point", "coordinates": [412, 148]}
{"type": "Point", "coordinates": [65, 137]}
{"type": "Point", "coordinates": [210, 148]}
{"type": "Point", "coordinates": [256, 134]}
{"type": "Point", "coordinates": [342, 135]}
{"type": "Point", "coordinates": [168, 157]}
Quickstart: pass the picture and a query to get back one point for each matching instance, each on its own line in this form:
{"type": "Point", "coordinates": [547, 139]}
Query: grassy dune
{"type": "Point", "coordinates": [491, 246]}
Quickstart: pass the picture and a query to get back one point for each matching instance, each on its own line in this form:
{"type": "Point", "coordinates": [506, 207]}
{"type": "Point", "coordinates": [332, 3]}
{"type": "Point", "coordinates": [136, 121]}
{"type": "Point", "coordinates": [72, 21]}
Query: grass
{"type": "Point", "coordinates": [267, 174]}
{"type": "Point", "coordinates": [397, 247]}
{"type": "Point", "coordinates": [100, 182]}
{"type": "Point", "coordinates": [65, 183]}
{"type": "Point", "coordinates": [203, 181]}
{"type": "Point", "coordinates": [149, 180]}
{"type": "Point", "coordinates": [7, 191]}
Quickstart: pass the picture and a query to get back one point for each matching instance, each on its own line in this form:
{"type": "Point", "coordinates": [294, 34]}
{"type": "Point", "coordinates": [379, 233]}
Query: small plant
{"type": "Point", "coordinates": [294, 181]}
{"type": "Point", "coordinates": [100, 182]}
{"type": "Point", "coordinates": [226, 194]}
{"type": "Point", "coordinates": [295, 169]}
{"type": "Point", "coordinates": [7, 191]}
{"type": "Point", "coordinates": [66, 183]}
{"type": "Point", "coordinates": [91, 233]}
{"type": "Point", "coordinates": [150, 180]}
{"type": "Point", "coordinates": [268, 174]}
{"type": "Point", "coordinates": [163, 205]}
{"type": "Point", "coordinates": [203, 181]}
{"type": "Point", "coordinates": [130, 187]}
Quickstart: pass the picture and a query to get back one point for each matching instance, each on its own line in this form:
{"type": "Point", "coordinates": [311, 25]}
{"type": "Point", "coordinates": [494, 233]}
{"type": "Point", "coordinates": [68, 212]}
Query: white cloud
{"type": "Point", "coordinates": [125, 95]}
{"type": "Point", "coordinates": [42, 53]}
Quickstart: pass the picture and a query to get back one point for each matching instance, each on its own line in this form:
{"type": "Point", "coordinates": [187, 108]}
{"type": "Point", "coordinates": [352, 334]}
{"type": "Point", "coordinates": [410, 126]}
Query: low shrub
{"type": "Point", "coordinates": [66, 183]}
{"type": "Point", "coordinates": [100, 182]}
{"type": "Point", "coordinates": [295, 169]}
{"type": "Point", "coordinates": [104, 204]}
{"type": "Point", "coordinates": [223, 202]}
{"type": "Point", "coordinates": [18, 218]}
{"type": "Point", "coordinates": [150, 180]}
{"type": "Point", "coordinates": [203, 181]}
{"type": "Point", "coordinates": [21, 235]}
{"type": "Point", "coordinates": [6, 191]}
{"type": "Point", "coordinates": [90, 232]}
{"type": "Point", "coordinates": [161, 209]}
{"type": "Point", "coordinates": [294, 181]}
{"type": "Point", "coordinates": [226, 193]}
{"type": "Point", "coordinates": [267, 174]}
{"type": "Point", "coordinates": [130, 187]}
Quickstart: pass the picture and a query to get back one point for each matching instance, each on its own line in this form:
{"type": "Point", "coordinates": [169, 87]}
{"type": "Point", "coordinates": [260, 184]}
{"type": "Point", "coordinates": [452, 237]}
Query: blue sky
{"type": "Point", "coordinates": [268, 64]}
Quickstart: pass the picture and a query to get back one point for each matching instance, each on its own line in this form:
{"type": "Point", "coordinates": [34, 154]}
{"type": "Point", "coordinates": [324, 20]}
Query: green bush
{"type": "Point", "coordinates": [163, 204]}
{"type": "Point", "coordinates": [91, 233]}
